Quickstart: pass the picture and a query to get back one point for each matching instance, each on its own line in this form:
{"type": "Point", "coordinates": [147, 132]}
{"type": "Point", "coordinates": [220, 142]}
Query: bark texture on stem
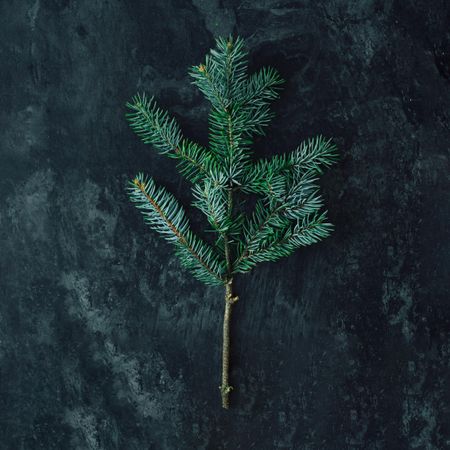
{"type": "Point", "coordinates": [225, 388]}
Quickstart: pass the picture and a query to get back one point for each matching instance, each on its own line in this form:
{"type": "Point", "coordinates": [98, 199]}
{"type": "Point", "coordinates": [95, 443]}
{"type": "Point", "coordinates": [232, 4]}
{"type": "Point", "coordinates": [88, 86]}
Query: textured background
{"type": "Point", "coordinates": [105, 343]}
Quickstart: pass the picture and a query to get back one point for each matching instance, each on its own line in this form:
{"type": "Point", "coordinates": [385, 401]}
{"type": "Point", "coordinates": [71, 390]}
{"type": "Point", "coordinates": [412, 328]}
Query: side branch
{"type": "Point", "coordinates": [182, 239]}
{"type": "Point", "coordinates": [180, 153]}
{"type": "Point", "coordinates": [250, 239]}
{"type": "Point", "coordinates": [154, 126]}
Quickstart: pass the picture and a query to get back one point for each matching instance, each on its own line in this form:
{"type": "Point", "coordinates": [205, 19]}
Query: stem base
{"type": "Point", "coordinates": [225, 388]}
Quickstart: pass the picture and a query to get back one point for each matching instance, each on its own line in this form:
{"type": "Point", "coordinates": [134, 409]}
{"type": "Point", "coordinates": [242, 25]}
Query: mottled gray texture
{"type": "Point", "coordinates": [105, 343]}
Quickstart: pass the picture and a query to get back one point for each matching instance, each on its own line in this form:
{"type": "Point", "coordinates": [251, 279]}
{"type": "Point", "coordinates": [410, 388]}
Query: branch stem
{"type": "Point", "coordinates": [225, 388]}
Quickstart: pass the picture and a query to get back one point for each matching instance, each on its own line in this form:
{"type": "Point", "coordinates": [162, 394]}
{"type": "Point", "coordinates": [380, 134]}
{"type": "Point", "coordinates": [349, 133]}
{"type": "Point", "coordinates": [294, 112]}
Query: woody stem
{"type": "Point", "coordinates": [225, 388]}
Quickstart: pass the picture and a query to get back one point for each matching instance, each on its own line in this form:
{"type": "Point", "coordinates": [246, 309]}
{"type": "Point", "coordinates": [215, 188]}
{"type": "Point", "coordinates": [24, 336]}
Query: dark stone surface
{"type": "Point", "coordinates": [105, 343]}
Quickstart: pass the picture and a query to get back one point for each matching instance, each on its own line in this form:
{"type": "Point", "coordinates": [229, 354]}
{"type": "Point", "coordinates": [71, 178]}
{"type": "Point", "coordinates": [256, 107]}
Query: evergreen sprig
{"type": "Point", "coordinates": [287, 213]}
{"type": "Point", "coordinates": [154, 126]}
{"type": "Point", "coordinates": [165, 215]}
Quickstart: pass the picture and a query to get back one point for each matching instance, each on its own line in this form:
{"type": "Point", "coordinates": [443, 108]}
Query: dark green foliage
{"type": "Point", "coordinates": [287, 214]}
{"type": "Point", "coordinates": [164, 214]}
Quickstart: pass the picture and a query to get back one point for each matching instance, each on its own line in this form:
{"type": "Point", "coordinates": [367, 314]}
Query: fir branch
{"type": "Point", "coordinates": [260, 89]}
{"type": "Point", "coordinates": [163, 213]}
{"type": "Point", "coordinates": [154, 126]}
{"type": "Point", "coordinates": [311, 229]}
{"type": "Point", "coordinates": [211, 88]}
{"type": "Point", "coordinates": [221, 79]}
{"type": "Point", "coordinates": [262, 86]}
{"type": "Point", "coordinates": [287, 212]}
{"type": "Point", "coordinates": [194, 161]}
{"type": "Point", "coordinates": [212, 199]}
{"type": "Point", "coordinates": [239, 105]}
{"type": "Point", "coordinates": [296, 200]}
{"type": "Point", "coordinates": [224, 71]}
{"type": "Point", "coordinates": [311, 156]}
